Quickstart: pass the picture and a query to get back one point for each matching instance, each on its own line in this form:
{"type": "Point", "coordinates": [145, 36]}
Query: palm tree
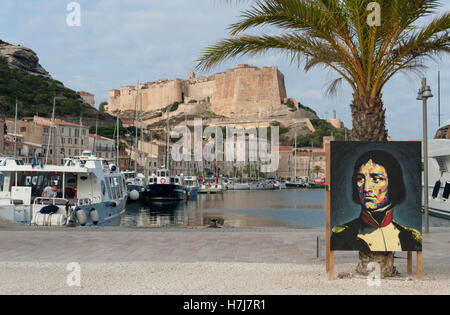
{"type": "Point", "coordinates": [317, 170]}
{"type": "Point", "coordinates": [336, 34]}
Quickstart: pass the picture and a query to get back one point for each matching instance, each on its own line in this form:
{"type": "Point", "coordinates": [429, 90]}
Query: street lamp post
{"type": "Point", "coordinates": [424, 94]}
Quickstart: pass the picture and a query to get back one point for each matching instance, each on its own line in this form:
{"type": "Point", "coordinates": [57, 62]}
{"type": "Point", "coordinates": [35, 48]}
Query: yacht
{"type": "Point", "coordinates": [161, 187]}
{"type": "Point", "coordinates": [439, 173]}
{"type": "Point", "coordinates": [90, 192]}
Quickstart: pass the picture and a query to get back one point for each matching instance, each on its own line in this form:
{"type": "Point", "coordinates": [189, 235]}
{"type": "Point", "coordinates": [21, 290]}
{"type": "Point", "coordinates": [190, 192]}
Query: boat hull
{"type": "Point", "coordinates": [165, 192]}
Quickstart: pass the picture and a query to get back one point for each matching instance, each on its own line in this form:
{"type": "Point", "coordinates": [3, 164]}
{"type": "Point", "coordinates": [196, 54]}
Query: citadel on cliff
{"type": "Point", "coordinates": [242, 93]}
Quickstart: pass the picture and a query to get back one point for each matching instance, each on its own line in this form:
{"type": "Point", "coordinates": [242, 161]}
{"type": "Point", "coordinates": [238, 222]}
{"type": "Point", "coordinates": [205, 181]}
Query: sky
{"type": "Point", "coordinates": [120, 42]}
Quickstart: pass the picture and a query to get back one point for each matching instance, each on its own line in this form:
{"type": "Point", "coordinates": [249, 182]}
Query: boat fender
{"type": "Point", "coordinates": [134, 195]}
{"type": "Point", "coordinates": [446, 193]}
{"type": "Point", "coordinates": [49, 219]}
{"type": "Point", "coordinates": [113, 204]}
{"type": "Point", "coordinates": [94, 216]}
{"type": "Point", "coordinates": [436, 188]}
{"type": "Point", "coordinates": [81, 216]}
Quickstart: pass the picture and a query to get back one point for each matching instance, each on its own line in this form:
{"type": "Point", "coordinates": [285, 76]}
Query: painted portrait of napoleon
{"type": "Point", "coordinates": [378, 188]}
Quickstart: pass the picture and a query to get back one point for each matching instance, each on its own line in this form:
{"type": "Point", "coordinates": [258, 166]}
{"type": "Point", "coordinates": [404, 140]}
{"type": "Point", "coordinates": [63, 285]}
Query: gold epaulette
{"type": "Point", "coordinates": [415, 233]}
{"type": "Point", "coordinates": [339, 228]}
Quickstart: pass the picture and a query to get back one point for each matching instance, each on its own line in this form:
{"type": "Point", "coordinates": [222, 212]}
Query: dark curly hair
{"type": "Point", "coordinates": [396, 191]}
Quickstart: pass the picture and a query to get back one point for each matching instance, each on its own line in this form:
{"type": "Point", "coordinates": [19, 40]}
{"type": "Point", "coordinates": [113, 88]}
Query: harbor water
{"type": "Point", "coordinates": [301, 208]}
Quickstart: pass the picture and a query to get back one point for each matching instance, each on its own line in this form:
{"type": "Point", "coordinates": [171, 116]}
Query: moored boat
{"type": "Point", "coordinates": [87, 190]}
{"type": "Point", "coordinates": [439, 173]}
{"type": "Point", "coordinates": [161, 187]}
{"type": "Point", "coordinates": [135, 185]}
{"type": "Point", "coordinates": [192, 185]}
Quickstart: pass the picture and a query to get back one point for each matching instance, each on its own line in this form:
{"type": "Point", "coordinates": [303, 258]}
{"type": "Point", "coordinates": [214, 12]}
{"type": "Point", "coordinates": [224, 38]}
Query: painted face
{"type": "Point", "coordinates": [372, 184]}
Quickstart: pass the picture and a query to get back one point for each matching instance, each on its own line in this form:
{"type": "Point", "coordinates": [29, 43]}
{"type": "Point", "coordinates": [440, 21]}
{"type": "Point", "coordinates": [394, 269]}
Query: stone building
{"type": "Point", "coordinates": [242, 92]}
{"type": "Point", "coordinates": [67, 139]}
{"type": "Point", "coordinates": [102, 147]}
{"type": "Point", "coordinates": [27, 139]}
{"type": "Point", "coordinates": [87, 97]}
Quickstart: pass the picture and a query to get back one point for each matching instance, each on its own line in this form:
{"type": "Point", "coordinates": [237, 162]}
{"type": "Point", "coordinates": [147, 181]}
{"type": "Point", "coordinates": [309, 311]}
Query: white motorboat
{"type": "Point", "coordinates": [90, 191]}
{"type": "Point", "coordinates": [214, 186]}
{"type": "Point", "coordinates": [439, 173]}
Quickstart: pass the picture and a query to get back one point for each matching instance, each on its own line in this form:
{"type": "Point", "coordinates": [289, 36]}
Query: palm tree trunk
{"type": "Point", "coordinates": [369, 124]}
{"type": "Point", "coordinates": [368, 118]}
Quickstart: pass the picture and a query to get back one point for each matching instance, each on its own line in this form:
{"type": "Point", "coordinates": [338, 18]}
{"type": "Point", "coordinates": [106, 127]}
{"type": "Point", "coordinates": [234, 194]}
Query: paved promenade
{"type": "Point", "coordinates": [280, 253]}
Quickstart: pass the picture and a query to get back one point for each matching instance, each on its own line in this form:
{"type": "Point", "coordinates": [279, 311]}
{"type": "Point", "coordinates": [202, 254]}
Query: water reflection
{"type": "Point", "coordinates": [287, 208]}
{"type": "Point", "coordinates": [293, 209]}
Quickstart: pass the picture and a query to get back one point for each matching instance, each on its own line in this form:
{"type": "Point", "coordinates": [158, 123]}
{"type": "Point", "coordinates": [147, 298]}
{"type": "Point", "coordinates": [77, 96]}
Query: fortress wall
{"type": "Point", "coordinates": [154, 96]}
{"type": "Point", "coordinates": [157, 96]}
{"type": "Point", "coordinates": [247, 92]}
{"type": "Point", "coordinates": [244, 92]}
{"type": "Point", "coordinates": [200, 90]}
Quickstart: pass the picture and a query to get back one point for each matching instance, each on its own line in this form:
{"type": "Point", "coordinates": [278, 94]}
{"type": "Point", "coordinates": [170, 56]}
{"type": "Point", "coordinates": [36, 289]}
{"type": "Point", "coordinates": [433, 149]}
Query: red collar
{"type": "Point", "coordinates": [368, 219]}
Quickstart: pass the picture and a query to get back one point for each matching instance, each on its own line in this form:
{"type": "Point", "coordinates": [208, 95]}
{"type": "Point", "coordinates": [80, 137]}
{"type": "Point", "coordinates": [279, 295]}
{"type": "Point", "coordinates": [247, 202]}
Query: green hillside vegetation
{"type": "Point", "coordinates": [323, 129]}
{"type": "Point", "coordinates": [35, 94]}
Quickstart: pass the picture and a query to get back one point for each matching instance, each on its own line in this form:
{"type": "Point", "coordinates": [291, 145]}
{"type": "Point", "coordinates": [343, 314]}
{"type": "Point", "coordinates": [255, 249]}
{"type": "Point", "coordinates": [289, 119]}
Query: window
{"type": "Point", "coordinates": [75, 141]}
{"type": "Point", "coordinates": [77, 132]}
{"type": "Point", "coordinates": [83, 132]}
{"type": "Point", "coordinates": [106, 155]}
{"type": "Point", "coordinates": [63, 140]}
{"type": "Point", "coordinates": [82, 142]}
{"type": "Point", "coordinates": [70, 132]}
{"type": "Point", "coordinates": [70, 151]}
{"type": "Point", "coordinates": [62, 130]}
{"type": "Point", "coordinates": [23, 129]}
{"type": "Point", "coordinates": [69, 140]}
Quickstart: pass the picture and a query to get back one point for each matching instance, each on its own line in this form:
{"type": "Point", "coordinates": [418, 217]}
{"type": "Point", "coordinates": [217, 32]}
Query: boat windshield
{"type": "Point", "coordinates": [39, 181]}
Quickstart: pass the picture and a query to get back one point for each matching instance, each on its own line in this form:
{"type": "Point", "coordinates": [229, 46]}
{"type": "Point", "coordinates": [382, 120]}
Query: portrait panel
{"type": "Point", "coordinates": [376, 196]}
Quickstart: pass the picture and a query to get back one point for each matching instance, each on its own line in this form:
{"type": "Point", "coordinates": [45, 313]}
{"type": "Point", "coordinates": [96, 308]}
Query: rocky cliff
{"type": "Point", "coordinates": [23, 58]}
{"type": "Point", "coordinates": [22, 78]}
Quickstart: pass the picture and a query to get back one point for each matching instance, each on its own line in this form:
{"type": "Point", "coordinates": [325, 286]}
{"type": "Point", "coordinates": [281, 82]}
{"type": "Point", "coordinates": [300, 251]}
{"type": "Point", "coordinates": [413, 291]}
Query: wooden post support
{"type": "Point", "coordinates": [327, 209]}
{"type": "Point", "coordinates": [410, 263]}
{"type": "Point", "coordinates": [331, 272]}
{"type": "Point", "coordinates": [419, 265]}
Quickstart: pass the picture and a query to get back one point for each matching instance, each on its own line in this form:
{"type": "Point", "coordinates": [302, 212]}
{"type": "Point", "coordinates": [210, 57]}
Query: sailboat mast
{"type": "Point", "coordinates": [167, 138]}
{"type": "Point", "coordinates": [95, 139]}
{"type": "Point", "coordinates": [295, 157]}
{"type": "Point", "coordinates": [136, 127]}
{"type": "Point", "coordinates": [439, 99]}
{"type": "Point", "coordinates": [141, 153]}
{"type": "Point", "coordinates": [117, 142]}
{"type": "Point", "coordinates": [79, 137]}
{"type": "Point", "coordinates": [15, 132]}
{"type": "Point", "coordinates": [51, 131]}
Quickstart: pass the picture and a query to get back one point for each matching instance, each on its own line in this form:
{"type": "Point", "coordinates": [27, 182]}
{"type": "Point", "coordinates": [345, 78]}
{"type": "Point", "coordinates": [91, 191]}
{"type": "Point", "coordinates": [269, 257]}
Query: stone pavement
{"type": "Point", "coordinates": [117, 244]}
